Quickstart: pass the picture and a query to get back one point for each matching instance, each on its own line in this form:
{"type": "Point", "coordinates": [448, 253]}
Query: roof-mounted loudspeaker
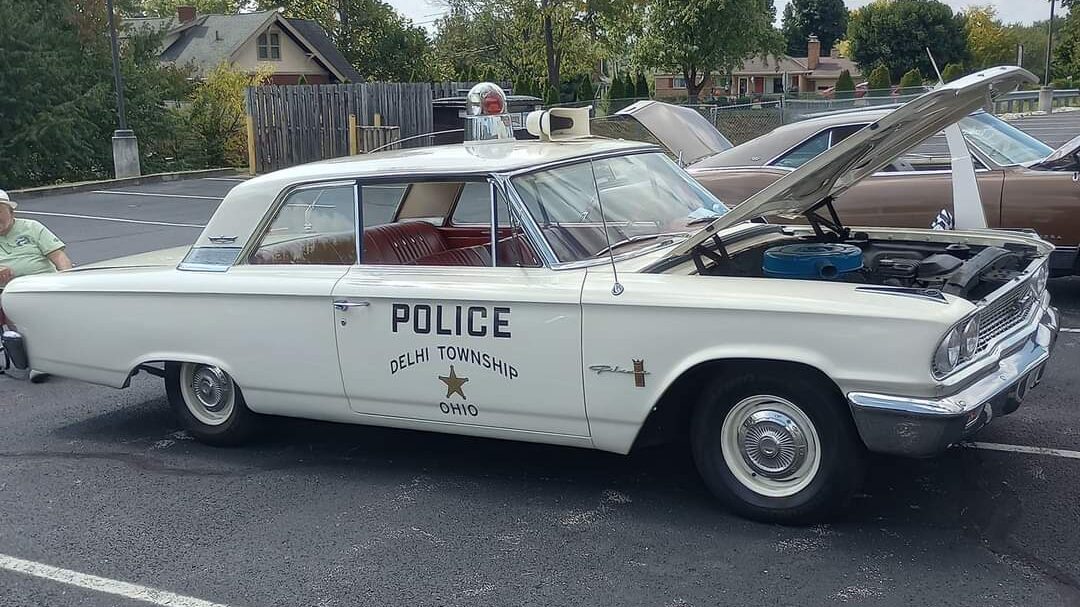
{"type": "Point", "coordinates": [559, 123]}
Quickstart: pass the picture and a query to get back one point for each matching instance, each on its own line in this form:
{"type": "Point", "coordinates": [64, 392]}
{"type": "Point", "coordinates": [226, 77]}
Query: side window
{"type": "Point", "coordinates": [474, 206]}
{"type": "Point", "coordinates": [437, 223]}
{"type": "Point", "coordinates": [817, 144]}
{"type": "Point", "coordinates": [313, 226]}
{"type": "Point", "coordinates": [930, 155]}
{"type": "Point", "coordinates": [803, 152]}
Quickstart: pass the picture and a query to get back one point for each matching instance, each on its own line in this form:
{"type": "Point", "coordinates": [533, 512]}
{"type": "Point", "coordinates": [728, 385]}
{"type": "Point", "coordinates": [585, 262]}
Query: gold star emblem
{"type": "Point", "coordinates": [454, 383]}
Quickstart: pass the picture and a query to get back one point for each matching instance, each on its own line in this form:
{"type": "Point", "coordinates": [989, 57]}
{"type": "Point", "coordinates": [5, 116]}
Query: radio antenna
{"type": "Point", "coordinates": [616, 289]}
{"type": "Point", "coordinates": [940, 79]}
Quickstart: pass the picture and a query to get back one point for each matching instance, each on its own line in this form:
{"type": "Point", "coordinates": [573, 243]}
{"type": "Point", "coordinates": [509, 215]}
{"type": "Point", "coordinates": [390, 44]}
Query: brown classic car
{"type": "Point", "coordinates": [1023, 183]}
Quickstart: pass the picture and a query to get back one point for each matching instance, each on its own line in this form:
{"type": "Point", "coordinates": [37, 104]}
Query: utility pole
{"type": "Point", "coordinates": [125, 145]}
{"type": "Point", "coordinates": [1049, 42]}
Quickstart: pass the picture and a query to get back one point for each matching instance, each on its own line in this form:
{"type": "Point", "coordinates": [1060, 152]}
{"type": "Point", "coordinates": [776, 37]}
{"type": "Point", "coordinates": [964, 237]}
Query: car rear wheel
{"type": "Point", "coordinates": [777, 450]}
{"type": "Point", "coordinates": [209, 403]}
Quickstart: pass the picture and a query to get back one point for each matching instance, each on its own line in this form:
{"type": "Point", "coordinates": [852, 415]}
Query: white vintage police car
{"type": "Point", "coordinates": [584, 292]}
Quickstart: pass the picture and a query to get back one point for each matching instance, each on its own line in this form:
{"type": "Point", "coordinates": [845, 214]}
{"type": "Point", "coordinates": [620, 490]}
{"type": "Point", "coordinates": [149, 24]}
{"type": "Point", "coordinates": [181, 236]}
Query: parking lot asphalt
{"type": "Point", "coordinates": [100, 482]}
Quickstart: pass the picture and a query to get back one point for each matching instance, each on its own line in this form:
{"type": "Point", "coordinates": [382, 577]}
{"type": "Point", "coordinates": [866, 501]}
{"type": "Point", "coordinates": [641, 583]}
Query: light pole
{"type": "Point", "coordinates": [125, 145]}
{"type": "Point", "coordinates": [1049, 42]}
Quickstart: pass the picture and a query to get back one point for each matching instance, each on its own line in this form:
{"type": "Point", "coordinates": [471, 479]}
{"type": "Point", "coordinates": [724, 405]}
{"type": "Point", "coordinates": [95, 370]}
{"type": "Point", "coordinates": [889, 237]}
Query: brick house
{"type": "Point", "coordinates": [298, 50]}
{"type": "Point", "coordinates": [771, 75]}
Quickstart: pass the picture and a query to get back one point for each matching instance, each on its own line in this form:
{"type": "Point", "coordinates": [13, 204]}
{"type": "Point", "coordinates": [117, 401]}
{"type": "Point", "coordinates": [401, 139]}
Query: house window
{"type": "Point", "coordinates": [678, 83]}
{"type": "Point", "coordinates": [269, 46]}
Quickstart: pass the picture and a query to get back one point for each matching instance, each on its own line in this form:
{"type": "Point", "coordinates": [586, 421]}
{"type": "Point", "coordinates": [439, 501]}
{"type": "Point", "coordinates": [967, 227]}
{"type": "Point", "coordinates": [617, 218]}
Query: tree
{"type": "Point", "coordinates": [1067, 54]}
{"type": "Point", "coordinates": [989, 43]}
{"type": "Point", "coordinates": [698, 38]}
{"type": "Point", "coordinates": [845, 86]}
{"type": "Point", "coordinates": [375, 38]}
{"type": "Point", "coordinates": [879, 82]}
{"type": "Point", "coordinates": [898, 32]}
{"type": "Point", "coordinates": [641, 87]}
{"type": "Point", "coordinates": [551, 96]}
{"type": "Point", "coordinates": [167, 8]}
{"type": "Point", "coordinates": [585, 90]}
{"type": "Point", "coordinates": [617, 90]}
{"type": "Point", "coordinates": [215, 114]}
{"type": "Point", "coordinates": [826, 19]}
{"type": "Point", "coordinates": [952, 71]}
{"type": "Point", "coordinates": [912, 82]}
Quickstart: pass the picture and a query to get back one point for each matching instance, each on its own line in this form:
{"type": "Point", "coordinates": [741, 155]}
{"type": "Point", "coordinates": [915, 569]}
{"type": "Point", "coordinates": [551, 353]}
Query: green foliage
{"type": "Point", "coordinates": [911, 82]}
{"type": "Point", "coordinates": [167, 8]}
{"type": "Point", "coordinates": [989, 43]}
{"type": "Point", "coordinates": [898, 32]}
{"type": "Point", "coordinates": [551, 96]}
{"type": "Point", "coordinates": [641, 87]}
{"type": "Point", "coordinates": [1067, 55]}
{"type": "Point", "coordinates": [826, 19]}
{"type": "Point", "coordinates": [617, 90]}
{"type": "Point", "coordinates": [1033, 37]}
{"type": "Point", "coordinates": [879, 81]}
{"type": "Point", "coordinates": [698, 37]}
{"type": "Point", "coordinates": [375, 38]}
{"type": "Point", "coordinates": [214, 115]}
{"type": "Point", "coordinates": [952, 71]}
{"type": "Point", "coordinates": [845, 86]}
{"type": "Point", "coordinates": [57, 109]}
{"type": "Point", "coordinates": [586, 92]}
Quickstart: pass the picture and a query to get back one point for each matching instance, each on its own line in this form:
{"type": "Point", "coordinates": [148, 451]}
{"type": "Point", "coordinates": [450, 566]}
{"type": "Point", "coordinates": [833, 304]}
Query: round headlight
{"type": "Point", "coordinates": [970, 338]}
{"type": "Point", "coordinates": [948, 352]}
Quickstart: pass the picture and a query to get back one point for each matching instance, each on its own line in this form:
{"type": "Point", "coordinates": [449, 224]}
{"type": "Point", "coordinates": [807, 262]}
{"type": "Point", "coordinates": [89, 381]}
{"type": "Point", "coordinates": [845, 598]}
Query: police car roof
{"type": "Point", "coordinates": [469, 158]}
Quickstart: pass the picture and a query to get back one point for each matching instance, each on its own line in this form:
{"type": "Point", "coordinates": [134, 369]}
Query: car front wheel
{"type": "Point", "coordinates": [777, 450]}
{"type": "Point", "coordinates": [209, 403]}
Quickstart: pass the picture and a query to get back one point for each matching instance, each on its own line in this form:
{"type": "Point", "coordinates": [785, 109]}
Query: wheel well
{"type": "Point", "coordinates": [669, 420]}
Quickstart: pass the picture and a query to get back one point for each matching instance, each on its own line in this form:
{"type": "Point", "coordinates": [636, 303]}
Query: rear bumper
{"type": "Point", "coordinates": [920, 427]}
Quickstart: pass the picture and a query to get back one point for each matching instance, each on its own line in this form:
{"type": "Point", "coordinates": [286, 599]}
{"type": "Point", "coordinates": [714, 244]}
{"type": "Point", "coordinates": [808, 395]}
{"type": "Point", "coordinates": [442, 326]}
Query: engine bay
{"type": "Point", "coordinates": [964, 270]}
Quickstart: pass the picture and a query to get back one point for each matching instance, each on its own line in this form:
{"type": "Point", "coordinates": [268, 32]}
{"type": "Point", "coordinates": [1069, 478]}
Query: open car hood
{"type": "Point", "coordinates": [862, 154]}
{"type": "Point", "coordinates": [1065, 158]}
{"type": "Point", "coordinates": [682, 131]}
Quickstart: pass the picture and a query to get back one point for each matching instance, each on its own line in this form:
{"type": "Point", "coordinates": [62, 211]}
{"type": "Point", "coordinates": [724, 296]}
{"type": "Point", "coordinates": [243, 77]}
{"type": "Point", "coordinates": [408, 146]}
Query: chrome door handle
{"type": "Point", "coordinates": [344, 305]}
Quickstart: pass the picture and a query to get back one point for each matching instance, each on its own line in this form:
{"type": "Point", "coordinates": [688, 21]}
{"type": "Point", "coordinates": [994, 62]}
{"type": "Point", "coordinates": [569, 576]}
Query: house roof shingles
{"type": "Point", "coordinates": [828, 67]}
{"type": "Point", "coordinates": [321, 43]}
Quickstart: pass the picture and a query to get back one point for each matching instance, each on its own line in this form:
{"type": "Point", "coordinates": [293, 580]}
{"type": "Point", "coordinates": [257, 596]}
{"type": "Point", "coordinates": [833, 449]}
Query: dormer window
{"type": "Point", "coordinates": [269, 46]}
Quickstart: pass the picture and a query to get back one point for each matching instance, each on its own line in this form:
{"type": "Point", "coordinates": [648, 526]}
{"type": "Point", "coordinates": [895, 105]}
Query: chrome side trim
{"type": "Point", "coordinates": [930, 294]}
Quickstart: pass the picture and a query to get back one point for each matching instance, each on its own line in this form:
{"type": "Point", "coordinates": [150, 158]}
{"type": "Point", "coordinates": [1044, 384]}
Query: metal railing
{"type": "Point", "coordinates": [1019, 102]}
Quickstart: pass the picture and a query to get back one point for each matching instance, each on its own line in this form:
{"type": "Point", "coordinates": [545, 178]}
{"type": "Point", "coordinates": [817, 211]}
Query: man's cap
{"type": "Point", "coordinates": [5, 199]}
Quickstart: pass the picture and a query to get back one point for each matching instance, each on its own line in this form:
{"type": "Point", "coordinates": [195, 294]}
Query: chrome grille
{"type": "Point", "coordinates": [1003, 315]}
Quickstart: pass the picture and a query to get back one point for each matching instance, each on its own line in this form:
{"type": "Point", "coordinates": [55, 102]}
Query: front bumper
{"type": "Point", "coordinates": [920, 427]}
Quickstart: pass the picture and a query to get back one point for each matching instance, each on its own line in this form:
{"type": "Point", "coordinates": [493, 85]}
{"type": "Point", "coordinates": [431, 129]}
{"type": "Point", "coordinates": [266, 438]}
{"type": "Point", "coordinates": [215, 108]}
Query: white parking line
{"type": "Point", "coordinates": [1024, 449]}
{"type": "Point", "coordinates": [157, 195]}
{"type": "Point", "coordinates": [116, 219]}
{"type": "Point", "coordinates": [1068, 330]}
{"type": "Point", "coordinates": [101, 584]}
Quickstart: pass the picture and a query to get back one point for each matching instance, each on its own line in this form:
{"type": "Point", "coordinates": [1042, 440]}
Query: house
{"type": "Point", "coordinates": [774, 74]}
{"type": "Point", "coordinates": [298, 50]}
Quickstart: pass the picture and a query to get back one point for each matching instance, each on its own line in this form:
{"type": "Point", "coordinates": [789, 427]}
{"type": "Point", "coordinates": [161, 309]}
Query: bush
{"type": "Point", "coordinates": [879, 82]}
{"type": "Point", "coordinates": [551, 96]}
{"type": "Point", "coordinates": [845, 86]}
{"type": "Point", "coordinates": [911, 82]}
{"type": "Point", "coordinates": [616, 91]}
{"type": "Point", "coordinates": [585, 89]}
{"type": "Point", "coordinates": [641, 88]}
{"type": "Point", "coordinates": [952, 72]}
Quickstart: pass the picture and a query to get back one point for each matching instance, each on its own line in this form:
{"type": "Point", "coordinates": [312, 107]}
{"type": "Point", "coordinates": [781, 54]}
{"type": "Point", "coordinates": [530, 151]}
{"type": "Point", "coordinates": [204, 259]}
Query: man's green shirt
{"type": "Point", "coordinates": [26, 246]}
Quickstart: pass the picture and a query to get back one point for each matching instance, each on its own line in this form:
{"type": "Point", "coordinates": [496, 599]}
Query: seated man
{"type": "Point", "coordinates": [26, 247]}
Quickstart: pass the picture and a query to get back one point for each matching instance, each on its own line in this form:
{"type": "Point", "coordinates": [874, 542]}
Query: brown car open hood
{"type": "Point", "coordinates": [862, 154]}
{"type": "Point", "coordinates": [684, 132]}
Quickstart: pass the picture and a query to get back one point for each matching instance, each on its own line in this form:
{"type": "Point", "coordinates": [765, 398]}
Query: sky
{"type": "Point", "coordinates": [425, 12]}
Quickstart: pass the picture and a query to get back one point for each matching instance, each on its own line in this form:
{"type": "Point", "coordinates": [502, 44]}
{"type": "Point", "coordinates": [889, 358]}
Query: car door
{"type": "Point", "coordinates": [482, 348]}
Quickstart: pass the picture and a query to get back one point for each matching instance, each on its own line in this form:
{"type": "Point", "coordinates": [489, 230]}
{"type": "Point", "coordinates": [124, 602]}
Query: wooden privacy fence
{"type": "Point", "coordinates": [290, 125]}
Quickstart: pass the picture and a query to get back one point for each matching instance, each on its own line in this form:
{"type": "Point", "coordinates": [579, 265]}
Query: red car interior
{"type": "Point", "coordinates": [402, 243]}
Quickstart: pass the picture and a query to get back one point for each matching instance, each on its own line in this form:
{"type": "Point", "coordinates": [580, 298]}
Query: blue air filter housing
{"type": "Point", "coordinates": [812, 260]}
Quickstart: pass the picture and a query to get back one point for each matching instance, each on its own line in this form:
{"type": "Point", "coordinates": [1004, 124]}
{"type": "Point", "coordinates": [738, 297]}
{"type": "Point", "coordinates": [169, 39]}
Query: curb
{"type": "Point", "coordinates": [85, 186]}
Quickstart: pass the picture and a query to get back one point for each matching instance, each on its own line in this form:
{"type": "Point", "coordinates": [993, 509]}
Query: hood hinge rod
{"type": "Point", "coordinates": [832, 223]}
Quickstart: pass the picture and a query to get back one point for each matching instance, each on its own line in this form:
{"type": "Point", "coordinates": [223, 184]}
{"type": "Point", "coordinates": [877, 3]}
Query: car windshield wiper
{"type": "Point", "coordinates": [631, 240]}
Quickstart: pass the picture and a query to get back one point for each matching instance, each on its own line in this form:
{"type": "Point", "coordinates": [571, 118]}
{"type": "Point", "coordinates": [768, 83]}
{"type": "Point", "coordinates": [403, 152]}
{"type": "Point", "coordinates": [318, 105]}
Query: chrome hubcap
{"type": "Point", "coordinates": [208, 392]}
{"type": "Point", "coordinates": [772, 444]}
{"type": "Point", "coordinates": [212, 387]}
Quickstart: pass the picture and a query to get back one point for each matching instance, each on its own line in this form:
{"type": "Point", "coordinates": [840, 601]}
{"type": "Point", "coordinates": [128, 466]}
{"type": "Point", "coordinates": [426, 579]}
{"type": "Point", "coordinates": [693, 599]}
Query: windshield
{"type": "Point", "coordinates": [1003, 143]}
{"type": "Point", "coordinates": [644, 197]}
